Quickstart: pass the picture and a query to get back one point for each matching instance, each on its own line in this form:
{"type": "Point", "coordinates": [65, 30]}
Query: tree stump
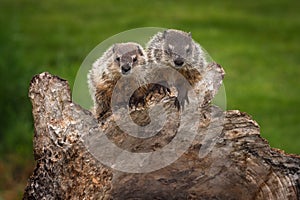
{"type": "Point", "coordinates": [236, 164]}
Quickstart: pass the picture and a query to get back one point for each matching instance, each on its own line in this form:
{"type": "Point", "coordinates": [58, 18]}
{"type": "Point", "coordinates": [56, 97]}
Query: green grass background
{"type": "Point", "coordinates": [257, 42]}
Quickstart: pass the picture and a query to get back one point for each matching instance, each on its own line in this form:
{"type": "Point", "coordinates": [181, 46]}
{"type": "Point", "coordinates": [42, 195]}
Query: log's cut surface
{"type": "Point", "coordinates": [236, 164]}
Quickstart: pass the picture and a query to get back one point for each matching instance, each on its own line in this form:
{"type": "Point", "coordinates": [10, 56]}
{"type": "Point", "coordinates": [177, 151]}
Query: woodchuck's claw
{"type": "Point", "coordinates": [180, 103]}
{"type": "Point", "coordinates": [181, 99]}
{"type": "Point", "coordinates": [177, 104]}
{"type": "Point", "coordinates": [166, 90]}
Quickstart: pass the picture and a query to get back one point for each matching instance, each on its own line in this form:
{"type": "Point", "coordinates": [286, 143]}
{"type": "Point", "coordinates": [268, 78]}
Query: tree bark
{"type": "Point", "coordinates": [235, 164]}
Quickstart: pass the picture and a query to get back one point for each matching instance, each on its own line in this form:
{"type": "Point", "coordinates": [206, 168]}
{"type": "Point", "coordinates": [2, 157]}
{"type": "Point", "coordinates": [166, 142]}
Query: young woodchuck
{"type": "Point", "coordinates": [117, 61]}
{"type": "Point", "coordinates": [178, 50]}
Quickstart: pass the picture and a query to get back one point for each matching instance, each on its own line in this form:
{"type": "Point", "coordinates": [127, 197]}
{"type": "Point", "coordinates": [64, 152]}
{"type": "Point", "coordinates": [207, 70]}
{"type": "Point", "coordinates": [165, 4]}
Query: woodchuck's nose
{"type": "Point", "coordinates": [125, 68]}
{"type": "Point", "coordinates": [178, 62]}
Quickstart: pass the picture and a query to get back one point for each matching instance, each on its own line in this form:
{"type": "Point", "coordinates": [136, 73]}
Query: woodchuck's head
{"type": "Point", "coordinates": [128, 55]}
{"type": "Point", "coordinates": [177, 47]}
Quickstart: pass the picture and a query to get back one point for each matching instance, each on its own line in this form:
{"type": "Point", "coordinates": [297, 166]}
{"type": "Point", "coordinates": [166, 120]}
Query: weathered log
{"type": "Point", "coordinates": [236, 163]}
{"type": "Point", "coordinates": [64, 168]}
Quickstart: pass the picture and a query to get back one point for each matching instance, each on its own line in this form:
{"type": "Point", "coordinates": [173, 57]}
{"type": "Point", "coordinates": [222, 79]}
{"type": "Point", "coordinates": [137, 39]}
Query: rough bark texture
{"type": "Point", "coordinates": [240, 164]}
{"type": "Point", "coordinates": [64, 169]}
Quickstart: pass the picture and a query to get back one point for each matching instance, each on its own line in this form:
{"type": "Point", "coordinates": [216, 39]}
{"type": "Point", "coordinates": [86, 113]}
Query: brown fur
{"type": "Point", "coordinates": [108, 70]}
{"type": "Point", "coordinates": [168, 48]}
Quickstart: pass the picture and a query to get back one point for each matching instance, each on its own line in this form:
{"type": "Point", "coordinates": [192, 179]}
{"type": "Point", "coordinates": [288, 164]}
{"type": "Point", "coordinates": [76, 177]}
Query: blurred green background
{"type": "Point", "coordinates": [257, 42]}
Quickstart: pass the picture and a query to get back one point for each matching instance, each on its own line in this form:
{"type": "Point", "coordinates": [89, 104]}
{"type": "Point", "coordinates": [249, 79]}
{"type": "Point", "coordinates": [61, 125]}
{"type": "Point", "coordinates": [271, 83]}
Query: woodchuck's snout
{"type": "Point", "coordinates": [125, 68]}
{"type": "Point", "coordinates": [179, 61]}
{"type": "Point", "coordinates": [128, 60]}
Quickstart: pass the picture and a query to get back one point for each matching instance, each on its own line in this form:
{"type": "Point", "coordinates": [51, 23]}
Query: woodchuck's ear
{"type": "Point", "coordinates": [140, 51]}
{"type": "Point", "coordinates": [165, 34]}
{"type": "Point", "coordinates": [114, 48]}
{"type": "Point", "coordinates": [190, 34]}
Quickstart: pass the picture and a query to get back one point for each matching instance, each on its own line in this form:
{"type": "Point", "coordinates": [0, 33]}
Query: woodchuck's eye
{"type": "Point", "coordinates": [118, 59]}
{"type": "Point", "coordinates": [134, 59]}
{"type": "Point", "coordinates": [188, 49]}
{"type": "Point", "coordinates": [170, 49]}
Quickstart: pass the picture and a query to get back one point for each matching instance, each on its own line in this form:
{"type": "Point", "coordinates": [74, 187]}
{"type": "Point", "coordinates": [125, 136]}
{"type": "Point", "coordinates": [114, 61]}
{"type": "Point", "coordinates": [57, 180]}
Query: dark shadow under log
{"type": "Point", "coordinates": [238, 163]}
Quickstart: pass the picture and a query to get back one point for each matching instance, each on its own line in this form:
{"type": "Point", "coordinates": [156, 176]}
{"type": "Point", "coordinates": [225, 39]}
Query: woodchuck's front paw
{"type": "Point", "coordinates": [182, 97]}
